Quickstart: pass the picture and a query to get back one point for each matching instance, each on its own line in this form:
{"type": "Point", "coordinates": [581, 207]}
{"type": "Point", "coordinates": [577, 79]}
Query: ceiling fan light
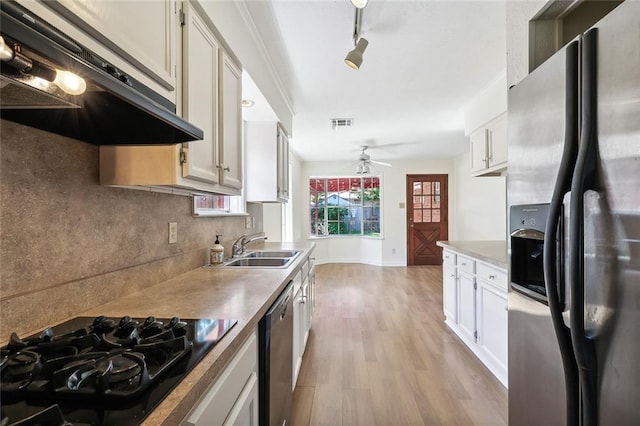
{"type": "Point", "coordinates": [354, 57]}
{"type": "Point", "coordinates": [362, 169]}
{"type": "Point", "coordinates": [360, 4]}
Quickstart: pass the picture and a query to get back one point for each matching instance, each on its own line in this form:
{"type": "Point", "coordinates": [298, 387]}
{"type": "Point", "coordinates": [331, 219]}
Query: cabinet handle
{"type": "Point", "coordinates": [452, 276]}
{"type": "Point", "coordinates": [226, 169]}
{"type": "Point", "coordinates": [492, 277]}
{"type": "Point", "coordinates": [464, 264]}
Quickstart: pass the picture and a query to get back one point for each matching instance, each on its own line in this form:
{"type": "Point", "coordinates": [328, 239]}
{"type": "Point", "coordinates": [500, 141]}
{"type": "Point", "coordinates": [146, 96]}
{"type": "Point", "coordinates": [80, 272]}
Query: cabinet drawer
{"type": "Point", "coordinates": [466, 264]}
{"type": "Point", "coordinates": [493, 275]}
{"type": "Point", "coordinates": [448, 258]}
{"type": "Point", "coordinates": [220, 398]}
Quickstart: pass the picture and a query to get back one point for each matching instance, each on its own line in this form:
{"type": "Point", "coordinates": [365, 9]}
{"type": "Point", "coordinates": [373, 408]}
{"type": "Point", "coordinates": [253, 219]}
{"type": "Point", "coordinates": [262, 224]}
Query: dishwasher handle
{"type": "Point", "coordinates": [281, 303]}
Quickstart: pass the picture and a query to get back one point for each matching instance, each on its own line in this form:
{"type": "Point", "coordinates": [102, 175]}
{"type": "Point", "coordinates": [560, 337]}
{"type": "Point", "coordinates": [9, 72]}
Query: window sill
{"type": "Point", "coordinates": [328, 237]}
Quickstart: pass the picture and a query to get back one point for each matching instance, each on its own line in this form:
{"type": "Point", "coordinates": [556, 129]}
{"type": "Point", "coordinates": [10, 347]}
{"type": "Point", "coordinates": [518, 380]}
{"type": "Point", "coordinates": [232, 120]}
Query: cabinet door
{"type": "Point", "coordinates": [231, 397]}
{"type": "Point", "coordinates": [449, 293]}
{"type": "Point", "coordinates": [467, 304]}
{"type": "Point", "coordinates": [492, 322]}
{"type": "Point", "coordinates": [479, 150]}
{"type": "Point", "coordinates": [498, 142]}
{"type": "Point", "coordinates": [245, 410]}
{"type": "Point", "coordinates": [143, 33]}
{"type": "Point", "coordinates": [200, 106]}
{"type": "Point", "coordinates": [283, 165]}
{"type": "Point", "coordinates": [297, 325]}
{"type": "Point", "coordinates": [231, 120]}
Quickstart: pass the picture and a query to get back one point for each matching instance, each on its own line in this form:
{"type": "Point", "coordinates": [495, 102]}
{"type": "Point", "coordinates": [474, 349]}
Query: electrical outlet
{"type": "Point", "coordinates": [247, 222]}
{"type": "Point", "coordinates": [393, 251]}
{"type": "Point", "coordinates": [173, 232]}
{"type": "Point", "coordinates": [253, 221]}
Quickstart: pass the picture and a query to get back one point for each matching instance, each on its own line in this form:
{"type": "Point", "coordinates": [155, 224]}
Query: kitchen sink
{"type": "Point", "coordinates": [271, 253]}
{"type": "Point", "coordinates": [259, 262]}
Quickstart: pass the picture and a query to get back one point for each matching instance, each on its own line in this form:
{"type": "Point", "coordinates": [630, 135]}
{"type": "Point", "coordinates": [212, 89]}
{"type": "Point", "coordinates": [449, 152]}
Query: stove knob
{"type": "Point", "coordinates": [176, 323]}
{"type": "Point", "coordinates": [46, 335]}
{"type": "Point", "coordinates": [148, 321]}
{"type": "Point", "coordinates": [102, 325]}
{"type": "Point", "coordinates": [126, 327]}
{"type": "Point", "coordinates": [124, 321]}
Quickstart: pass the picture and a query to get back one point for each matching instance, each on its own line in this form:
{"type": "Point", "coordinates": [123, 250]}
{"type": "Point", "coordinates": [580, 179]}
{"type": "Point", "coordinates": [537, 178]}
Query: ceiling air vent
{"type": "Point", "coordinates": [341, 122]}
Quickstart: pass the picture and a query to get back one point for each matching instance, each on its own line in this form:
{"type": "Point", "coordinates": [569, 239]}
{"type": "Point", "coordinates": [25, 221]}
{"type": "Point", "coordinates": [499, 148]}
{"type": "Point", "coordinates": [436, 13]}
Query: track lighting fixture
{"type": "Point", "coordinates": [354, 57]}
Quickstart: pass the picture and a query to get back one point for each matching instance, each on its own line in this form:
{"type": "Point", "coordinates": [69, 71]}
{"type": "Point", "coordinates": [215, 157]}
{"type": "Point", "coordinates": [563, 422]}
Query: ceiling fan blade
{"type": "Point", "coordinates": [381, 163]}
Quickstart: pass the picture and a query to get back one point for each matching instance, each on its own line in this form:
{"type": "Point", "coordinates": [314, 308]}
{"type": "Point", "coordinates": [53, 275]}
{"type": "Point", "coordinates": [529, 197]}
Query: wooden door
{"type": "Point", "coordinates": [427, 218]}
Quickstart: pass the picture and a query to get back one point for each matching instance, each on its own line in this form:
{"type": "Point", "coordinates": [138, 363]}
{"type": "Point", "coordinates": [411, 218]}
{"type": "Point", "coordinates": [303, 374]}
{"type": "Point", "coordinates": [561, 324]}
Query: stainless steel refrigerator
{"type": "Point", "coordinates": [574, 197]}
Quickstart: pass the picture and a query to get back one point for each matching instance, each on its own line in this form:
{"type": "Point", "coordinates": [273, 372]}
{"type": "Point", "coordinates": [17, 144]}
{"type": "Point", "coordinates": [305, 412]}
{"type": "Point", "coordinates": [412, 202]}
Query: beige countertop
{"type": "Point", "coordinates": [224, 293]}
{"type": "Point", "coordinates": [493, 252]}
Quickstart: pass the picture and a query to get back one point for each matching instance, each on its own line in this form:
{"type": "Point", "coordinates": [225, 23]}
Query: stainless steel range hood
{"type": "Point", "coordinates": [115, 109]}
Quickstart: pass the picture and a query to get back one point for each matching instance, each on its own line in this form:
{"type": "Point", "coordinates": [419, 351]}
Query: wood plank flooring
{"type": "Point", "coordinates": [379, 353]}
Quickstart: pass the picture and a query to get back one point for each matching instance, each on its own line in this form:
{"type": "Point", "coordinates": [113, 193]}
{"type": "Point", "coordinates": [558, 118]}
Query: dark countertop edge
{"type": "Point", "coordinates": [492, 252]}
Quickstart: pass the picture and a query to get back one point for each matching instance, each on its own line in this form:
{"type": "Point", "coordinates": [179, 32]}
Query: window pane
{"type": "Point", "coordinates": [436, 201]}
{"type": "Point", "coordinates": [427, 202]}
{"type": "Point", "coordinates": [427, 187]}
{"type": "Point", "coordinates": [435, 215]}
{"type": "Point", "coordinates": [436, 188]}
{"type": "Point", "coordinates": [417, 202]}
{"type": "Point", "coordinates": [351, 206]}
{"type": "Point", "coordinates": [417, 188]}
{"type": "Point", "coordinates": [426, 215]}
{"type": "Point", "coordinates": [417, 215]}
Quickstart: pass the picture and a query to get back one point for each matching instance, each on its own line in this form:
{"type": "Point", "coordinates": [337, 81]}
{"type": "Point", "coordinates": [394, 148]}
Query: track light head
{"type": "Point", "coordinates": [360, 4]}
{"type": "Point", "coordinates": [354, 57]}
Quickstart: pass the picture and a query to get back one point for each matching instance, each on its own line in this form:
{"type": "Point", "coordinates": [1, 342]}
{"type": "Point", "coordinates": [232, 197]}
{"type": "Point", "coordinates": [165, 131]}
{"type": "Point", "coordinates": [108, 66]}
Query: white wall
{"type": "Point", "coordinates": [481, 204]}
{"type": "Point", "coordinates": [234, 24]}
{"type": "Point", "coordinates": [489, 103]}
{"type": "Point", "coordinates": [371, 250]}
{"type": "Point", "coordinates": [477, 209]}
{"type": "Point", "coordinates": [519, 13]}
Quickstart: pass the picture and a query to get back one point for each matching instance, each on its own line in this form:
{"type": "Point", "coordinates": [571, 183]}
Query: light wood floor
{"type": "Point", "coordinates": [379, 353]}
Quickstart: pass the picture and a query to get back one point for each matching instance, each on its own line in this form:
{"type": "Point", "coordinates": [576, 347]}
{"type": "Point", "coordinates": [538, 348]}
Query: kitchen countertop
{"type": "Point", "coordinates": [208, 292]}
{"type": "Point", "coordinates": [493, 252]}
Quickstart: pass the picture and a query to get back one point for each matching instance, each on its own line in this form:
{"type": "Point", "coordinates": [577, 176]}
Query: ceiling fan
{"type": "Point", "coordinates": [365, 161]}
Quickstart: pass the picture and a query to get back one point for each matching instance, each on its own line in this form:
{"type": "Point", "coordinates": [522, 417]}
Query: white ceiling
{"type": "Point", "coordinates": [425, 61]}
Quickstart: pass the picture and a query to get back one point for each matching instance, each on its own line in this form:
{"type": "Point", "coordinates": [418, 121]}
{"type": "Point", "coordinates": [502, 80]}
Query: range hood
{"type": "Point", "coordinates": [114, 108]}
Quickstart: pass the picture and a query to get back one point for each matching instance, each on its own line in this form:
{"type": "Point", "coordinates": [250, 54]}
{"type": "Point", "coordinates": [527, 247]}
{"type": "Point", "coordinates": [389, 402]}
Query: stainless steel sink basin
{"type": "Point", "coordinates": [259, 262]}
{"type": "Point", "coordinates": [272, 253]}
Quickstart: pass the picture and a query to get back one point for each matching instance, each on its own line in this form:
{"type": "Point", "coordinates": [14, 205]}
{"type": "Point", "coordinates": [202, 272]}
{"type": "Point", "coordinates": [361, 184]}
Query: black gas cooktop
{"type": "Point", "coordinates": [100, 371]}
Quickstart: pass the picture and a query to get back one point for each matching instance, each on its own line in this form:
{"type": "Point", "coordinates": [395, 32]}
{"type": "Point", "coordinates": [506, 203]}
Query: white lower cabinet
{"type": "Point", "coordinates": [475, 308]}
{"type": "Point", "coordinates": [233, 398]}
{"type": "Point", "coordinates": [492, 325]}
{"type": "Point", "coordinates": [467, 305]}
{"type": "Point", "coordinates": [303, 305]}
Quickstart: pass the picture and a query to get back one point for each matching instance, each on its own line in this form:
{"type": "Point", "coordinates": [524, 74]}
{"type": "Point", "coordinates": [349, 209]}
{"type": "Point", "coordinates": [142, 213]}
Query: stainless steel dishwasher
{"type": "Point", "coordinates": [275, 355]}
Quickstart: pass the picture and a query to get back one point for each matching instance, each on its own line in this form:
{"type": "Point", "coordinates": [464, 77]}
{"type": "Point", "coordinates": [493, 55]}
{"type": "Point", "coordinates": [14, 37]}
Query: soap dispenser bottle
{"type": "Point", "coordinates": [216, 253]}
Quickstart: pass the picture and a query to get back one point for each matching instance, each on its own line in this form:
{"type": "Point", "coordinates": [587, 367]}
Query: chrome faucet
{"type": "Point", "coordinates": [239, 246]}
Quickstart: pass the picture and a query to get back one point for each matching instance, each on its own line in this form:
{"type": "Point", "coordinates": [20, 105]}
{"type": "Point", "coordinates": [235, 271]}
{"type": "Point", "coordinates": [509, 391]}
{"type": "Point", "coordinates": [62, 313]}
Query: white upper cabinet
{"type": "Point", "coordinates": [267, 162]}
{"type": "Point", "coordinates": [211, 99]}
{"type": "Point", "coordinates": [231, 118]}
{"type": "Point", "coordinates": [489, 148]}
{"type": "Point", "coordinates": [142, 33]}
{"type": "Point", "coordinates": [201, 53]}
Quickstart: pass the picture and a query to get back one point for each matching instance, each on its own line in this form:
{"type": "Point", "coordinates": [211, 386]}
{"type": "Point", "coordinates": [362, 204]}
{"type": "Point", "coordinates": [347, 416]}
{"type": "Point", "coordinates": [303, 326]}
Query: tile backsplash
{"type": "Point", "coordinates": [69, 244]}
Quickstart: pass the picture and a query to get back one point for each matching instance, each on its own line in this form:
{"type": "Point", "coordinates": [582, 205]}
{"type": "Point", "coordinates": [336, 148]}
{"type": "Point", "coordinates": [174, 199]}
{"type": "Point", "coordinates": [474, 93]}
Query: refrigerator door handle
{"type": "Point", "coordinates": [584, 180]}
{"type": "Point", "coordinates": [553, 256]}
